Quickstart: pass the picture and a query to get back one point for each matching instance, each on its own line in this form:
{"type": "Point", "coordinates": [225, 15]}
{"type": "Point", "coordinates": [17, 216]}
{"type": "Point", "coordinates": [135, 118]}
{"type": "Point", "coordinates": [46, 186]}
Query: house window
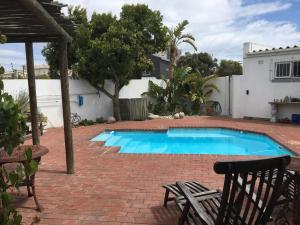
{"type": "Point", "coordinates": [287, 70]}
{"type": "Point", "coordinates": [283, 69]}
{"type": "Point", "coordinates": [296, 69]}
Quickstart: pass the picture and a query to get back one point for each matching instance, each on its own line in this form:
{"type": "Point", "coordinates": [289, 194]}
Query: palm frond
{"type": "Point", "coordinates": [210, 77]}
{"type": "Point", "coordinates": [190, 42]}
{"type": "Point", "coordinates": [187, 36]}
{"type": "Point", "coordinates": [211, 87]}
{"type": "Point", "coordinates": [180, 27]}
{"type": "Point", "coordinates": [209, 92]}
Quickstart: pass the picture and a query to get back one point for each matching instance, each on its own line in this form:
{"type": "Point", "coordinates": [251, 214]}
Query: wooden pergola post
{"type": "Point", "coordinates": [32, 93]}
{"type": "Point", "coordinates": [30, 21]}
{"type": "Point", "coordinates": [66, 105]}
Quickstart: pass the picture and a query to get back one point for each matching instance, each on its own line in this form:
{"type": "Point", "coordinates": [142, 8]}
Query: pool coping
{"type": "Point", "coordinates": [191, 127]}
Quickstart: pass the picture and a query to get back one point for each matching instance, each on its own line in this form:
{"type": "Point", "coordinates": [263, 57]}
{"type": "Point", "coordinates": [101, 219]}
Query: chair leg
{"type": "Point", "coordinates": [166, 198]}
{"type": "Point", "coordinates": [38, 206]}
{"type": "Point", "coordinates": [184, 214]}
{"type": "Point", "coordinates": [28, 184]}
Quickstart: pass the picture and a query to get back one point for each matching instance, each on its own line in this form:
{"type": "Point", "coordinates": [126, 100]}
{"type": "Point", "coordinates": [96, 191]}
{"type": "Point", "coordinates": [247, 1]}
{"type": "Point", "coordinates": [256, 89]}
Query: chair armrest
{"type": "Point", "coordinates": [194, 203]}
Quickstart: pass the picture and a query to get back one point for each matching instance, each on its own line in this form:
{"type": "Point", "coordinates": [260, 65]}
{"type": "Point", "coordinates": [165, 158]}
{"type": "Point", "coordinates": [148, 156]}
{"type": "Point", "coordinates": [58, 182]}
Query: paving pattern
{"type": "Point", "coordinates": [119, 189]}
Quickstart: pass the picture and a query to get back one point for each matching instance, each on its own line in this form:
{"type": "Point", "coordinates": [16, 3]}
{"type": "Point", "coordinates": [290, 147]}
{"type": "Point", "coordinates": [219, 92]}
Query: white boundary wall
{"type": "Point", "coordinates": [95, 104]}
{"type": "Point", "coordinates": [223, 95]}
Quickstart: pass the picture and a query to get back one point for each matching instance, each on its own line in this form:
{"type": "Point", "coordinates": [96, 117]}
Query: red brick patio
{"type": "Point", "coordinates": [110, 188]}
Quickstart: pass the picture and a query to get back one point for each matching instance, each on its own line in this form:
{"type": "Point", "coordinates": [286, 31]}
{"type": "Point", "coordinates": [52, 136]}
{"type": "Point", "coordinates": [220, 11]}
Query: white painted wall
{"type": "Point", "coordinates": [95, 104]}
{"type": "Point", "coordinates": [223, 95]}
{"type": "Point", "coordinates": [50, 103]}
{"type": "Point", "coordinates": [258, 71]}
{"type": "Point", "coordinates": [137, 87]}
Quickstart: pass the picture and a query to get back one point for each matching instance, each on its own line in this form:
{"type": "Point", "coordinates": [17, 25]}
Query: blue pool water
{"type": "Point", "coordinates": [193, 141]}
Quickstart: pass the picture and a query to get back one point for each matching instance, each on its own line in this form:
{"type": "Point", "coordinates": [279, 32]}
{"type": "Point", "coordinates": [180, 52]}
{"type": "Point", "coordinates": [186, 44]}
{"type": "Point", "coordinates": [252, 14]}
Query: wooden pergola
{"type": "Point", "coordinates": [28, 21]}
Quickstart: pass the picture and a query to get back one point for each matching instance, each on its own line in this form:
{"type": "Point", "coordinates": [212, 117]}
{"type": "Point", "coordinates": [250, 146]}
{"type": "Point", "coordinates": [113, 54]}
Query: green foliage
{"type": "Point", "coordinates": [185, 91]}
{"type": "Point", "coordinates": [13, 179]}
{"type": "Point", "coordinates": [12, 122]}
{"type": "Point", "coordinates": [51, 50]}
{"type": "Point", "coordinates": [2, 70]}
{"type": "Point", "coordinates": [100, 120]}
{"type": "Point", "coordinates": [22, 99]}
{"type": "Point", "coordinates": [86, 122]}
{"type": "Point", "coordinates": [43, 77]}
{"type": "Point", "coordinates": [176, 37]}
{"type": "Point", "coordinates": [229, 67]}
{"type": "Point", "coordinates": [2, 38]}
{"type": "Point", "coordinates": [197, 88]}
{"type": "Point", "coordinates": [12, 130]}
{"type": "Point", "coordinates": [202, 63]}
{"type": "Point", "coordinates": [108, 48]}
{"type": "Point", "coordinates": [117, 49]}
{"type": "Point", "coordinates": [147, 25]}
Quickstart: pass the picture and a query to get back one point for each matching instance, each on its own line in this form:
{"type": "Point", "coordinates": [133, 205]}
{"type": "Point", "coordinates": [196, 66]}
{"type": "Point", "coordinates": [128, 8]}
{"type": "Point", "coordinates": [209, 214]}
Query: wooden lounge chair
{"type": "Point", "coordinates": [250, 202]}
{"type": "Point", "coordinates": [194, 187]}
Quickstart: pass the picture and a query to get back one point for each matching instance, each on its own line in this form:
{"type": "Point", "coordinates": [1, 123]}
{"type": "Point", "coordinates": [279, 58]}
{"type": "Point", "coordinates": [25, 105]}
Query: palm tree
{"type": "Point", "coordinates": [175, 38]}
{"type": "Point", "coordinates": [197, 88]}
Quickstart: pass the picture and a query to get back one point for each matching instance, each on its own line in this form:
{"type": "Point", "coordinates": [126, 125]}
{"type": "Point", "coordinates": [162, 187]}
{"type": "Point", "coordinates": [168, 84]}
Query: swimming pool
{"type": "Point", "coordinates": [193, 141]}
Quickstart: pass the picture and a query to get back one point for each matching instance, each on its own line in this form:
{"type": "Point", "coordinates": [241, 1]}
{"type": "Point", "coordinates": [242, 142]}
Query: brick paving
{"type": "Point", "coordinates": [119, 189]}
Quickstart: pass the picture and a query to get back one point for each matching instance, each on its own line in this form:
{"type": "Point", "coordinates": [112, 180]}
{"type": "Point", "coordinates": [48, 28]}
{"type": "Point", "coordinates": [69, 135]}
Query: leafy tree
{"type": "Point", "coordinates": [202, 63]}
{"type": "Point", "coordinates": [78, 16]}
{"type": "Point", "coordinates": [118, 49]}
{"type": "Point", "coordinates": [175, 38]}
{"type": "Point", "coordinates": [229, 67]}
{"type": "Point", "coordinates": [107, 48]}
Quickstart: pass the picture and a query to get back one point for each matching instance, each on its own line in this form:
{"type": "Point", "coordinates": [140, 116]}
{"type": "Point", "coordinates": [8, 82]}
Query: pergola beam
{"type": "Point", "coordinates": [42, 14]}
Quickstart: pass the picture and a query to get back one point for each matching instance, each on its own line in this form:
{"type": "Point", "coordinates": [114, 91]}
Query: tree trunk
{"type": "Point", "coordinates": [173, 55]}
{"type": "Point", "coordinates": [116, 103]}
{"type": "Point", "coordinates": [116, 108]}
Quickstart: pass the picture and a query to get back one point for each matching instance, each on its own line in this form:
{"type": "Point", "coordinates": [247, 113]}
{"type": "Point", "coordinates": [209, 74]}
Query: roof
{"type": "Point", "coordinates": [274, 50]}
{"type": "Point", "coordinates": [34, 21]}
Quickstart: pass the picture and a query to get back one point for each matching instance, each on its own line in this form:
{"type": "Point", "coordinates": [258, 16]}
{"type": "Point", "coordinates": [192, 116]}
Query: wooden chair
{"type": "Point", "coordinates": [247, 198]}
{"type": "Point", "coordinates": [194, 188]}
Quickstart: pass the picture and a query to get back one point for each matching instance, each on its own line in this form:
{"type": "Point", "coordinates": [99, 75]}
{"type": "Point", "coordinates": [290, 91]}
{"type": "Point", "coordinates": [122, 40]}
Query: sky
{"type": "Point", "coordinates": [219, 26]}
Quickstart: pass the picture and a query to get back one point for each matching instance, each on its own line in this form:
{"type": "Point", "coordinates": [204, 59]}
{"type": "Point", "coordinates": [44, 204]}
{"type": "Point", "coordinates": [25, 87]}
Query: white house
{"type": "Point", "coordinates": [270, 74]}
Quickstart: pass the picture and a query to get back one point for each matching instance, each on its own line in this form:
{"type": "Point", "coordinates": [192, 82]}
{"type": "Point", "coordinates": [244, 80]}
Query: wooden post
{"type": "Point", "coordinates": [66, 105]}
{"type": "Point", "coordinates": [32, 93]}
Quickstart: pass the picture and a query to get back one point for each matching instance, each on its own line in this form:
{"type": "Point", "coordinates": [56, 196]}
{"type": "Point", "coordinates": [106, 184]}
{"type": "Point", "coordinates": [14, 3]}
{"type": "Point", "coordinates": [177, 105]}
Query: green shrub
{"type": "Point", "coordinates": [185, 91]}
{"type": "Point", "coordinates": [12, 131]}
{"type": "Point", "coordinates": [100, 120]}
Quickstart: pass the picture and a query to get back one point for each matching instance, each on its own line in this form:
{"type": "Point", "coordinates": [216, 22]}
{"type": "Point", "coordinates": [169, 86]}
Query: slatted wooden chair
{"type": "Point", "coordinates": [194, 188]}
{"type": "Point", "coordinates": [248, 202]}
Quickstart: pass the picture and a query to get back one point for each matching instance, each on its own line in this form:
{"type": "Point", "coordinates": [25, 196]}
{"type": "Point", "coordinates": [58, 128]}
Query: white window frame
{"type": "Point", "coordinates": [293, 75]}
{"type": "Point", "coordinates": [290, 72]}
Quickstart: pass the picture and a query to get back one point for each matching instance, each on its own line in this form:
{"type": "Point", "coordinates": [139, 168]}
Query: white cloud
{"type": "Point", "coordinates": [219, 26]}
